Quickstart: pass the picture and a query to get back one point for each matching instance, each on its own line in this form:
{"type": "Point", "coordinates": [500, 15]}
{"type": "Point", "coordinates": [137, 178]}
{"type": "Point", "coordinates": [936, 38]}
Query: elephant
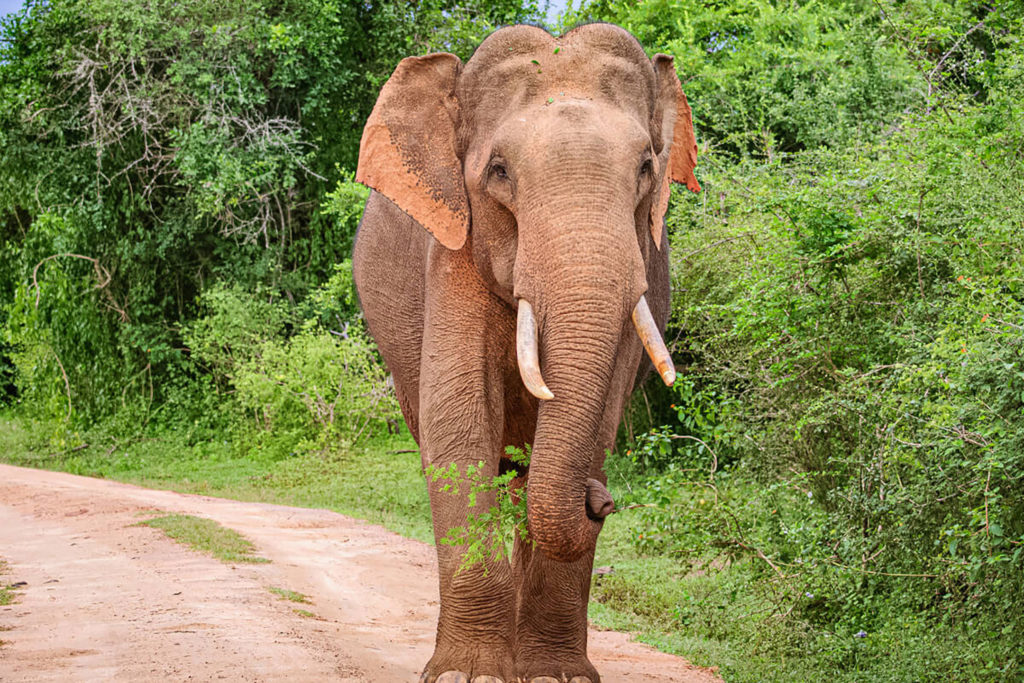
{"type": "Point", "coordinates": [512, 267]}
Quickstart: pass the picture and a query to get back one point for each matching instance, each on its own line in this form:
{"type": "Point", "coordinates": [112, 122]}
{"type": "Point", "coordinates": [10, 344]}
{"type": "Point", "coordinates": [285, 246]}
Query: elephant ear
{"type": "Point", "coordinates": [674, 141]}
{"type": "Point", "coordinates": [408, 152]}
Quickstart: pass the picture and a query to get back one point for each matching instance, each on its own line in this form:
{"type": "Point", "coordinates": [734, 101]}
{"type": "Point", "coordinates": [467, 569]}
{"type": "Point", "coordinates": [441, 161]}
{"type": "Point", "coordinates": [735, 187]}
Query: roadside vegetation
{"type": "Point", "coordinates": [290, 595]}
{"type": "Point", "coordinates": [832, 489]}
{"type": "Point", "coordinates": [8, 592]}
{"type": "Point", "coordinates": [207, 536]}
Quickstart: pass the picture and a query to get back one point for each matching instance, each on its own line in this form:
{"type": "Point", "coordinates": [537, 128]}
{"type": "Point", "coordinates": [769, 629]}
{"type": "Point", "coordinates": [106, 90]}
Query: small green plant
{"type": "Point", "coordinates": [488, 536]}
{"type": "Point", "coordinates": [8, 592]}
{"type": "Point", "coordinates": [207, 536]}
{"type": "Point", "coordinates": [293, 596]}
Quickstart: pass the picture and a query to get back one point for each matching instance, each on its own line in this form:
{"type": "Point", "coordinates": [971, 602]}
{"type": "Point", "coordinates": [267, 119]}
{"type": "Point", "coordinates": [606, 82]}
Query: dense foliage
{"type": "Point", "coordinates": [849, 306]}
{"type": "Point", "coordinates": [151, 150]}
{"type": "Point", "coordinates": [835, 479]}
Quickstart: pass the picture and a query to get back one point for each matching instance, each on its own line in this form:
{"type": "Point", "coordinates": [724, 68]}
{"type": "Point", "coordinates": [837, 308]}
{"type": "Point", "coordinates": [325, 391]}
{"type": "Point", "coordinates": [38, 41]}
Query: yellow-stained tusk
{"type": "Point", "coordinates": [527, 354]}
{"type": "Point", "coordinates": [653, 343]}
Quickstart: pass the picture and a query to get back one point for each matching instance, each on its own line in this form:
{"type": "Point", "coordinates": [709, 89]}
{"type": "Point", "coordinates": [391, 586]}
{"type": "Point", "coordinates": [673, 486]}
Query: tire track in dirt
{"type": "Point", "coordinates": [108, 600]}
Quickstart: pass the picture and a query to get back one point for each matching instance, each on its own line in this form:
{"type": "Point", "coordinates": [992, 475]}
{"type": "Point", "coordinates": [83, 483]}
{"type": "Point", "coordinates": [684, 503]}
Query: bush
{"type": "Point", "coordinates": [156, 153]}
{"type": "Point", "coordinates": [323, 378]}
{"type": "Point", "coordinates": [768, 79]}
{"type": "Point", "coordinates": [235, 325]}
{"type": "Point", "coordinates": [856, 316]}
{"type": "Point", "coordinates": [318, 382]}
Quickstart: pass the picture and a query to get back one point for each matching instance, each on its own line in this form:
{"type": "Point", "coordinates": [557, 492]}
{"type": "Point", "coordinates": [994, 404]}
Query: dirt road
{"type": "Point", "coordinates": [107, 600]}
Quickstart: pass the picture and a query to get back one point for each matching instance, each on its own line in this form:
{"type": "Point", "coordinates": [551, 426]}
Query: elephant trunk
{"type": "Point", "coordinates": [579, 327]}
{"type": "Point", "coordinates": [566, 438]}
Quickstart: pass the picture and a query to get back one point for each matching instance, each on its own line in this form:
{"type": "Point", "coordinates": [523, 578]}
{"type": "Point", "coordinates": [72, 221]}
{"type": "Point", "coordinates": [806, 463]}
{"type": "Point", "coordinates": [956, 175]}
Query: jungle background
{"type": "Point", "coordinates": [833, 488]}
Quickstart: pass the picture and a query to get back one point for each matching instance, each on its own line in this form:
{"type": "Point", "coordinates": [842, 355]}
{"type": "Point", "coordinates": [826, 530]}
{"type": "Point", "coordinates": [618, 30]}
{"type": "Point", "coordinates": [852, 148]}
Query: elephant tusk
{"type": "Point", "coordinates": [526, 352]}
{"type": "Point", "coordinates": [653, 343]}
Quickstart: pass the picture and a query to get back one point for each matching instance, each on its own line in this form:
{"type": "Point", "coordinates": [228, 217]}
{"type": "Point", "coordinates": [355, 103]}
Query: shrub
{"type": "Point", "coordinates": [857, 316]}
{"type": "Point", "coordinates": [319, 381]}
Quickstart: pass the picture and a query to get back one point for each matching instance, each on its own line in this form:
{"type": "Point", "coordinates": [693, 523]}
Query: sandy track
{"type": "Point", "coordinates": [107, 600]}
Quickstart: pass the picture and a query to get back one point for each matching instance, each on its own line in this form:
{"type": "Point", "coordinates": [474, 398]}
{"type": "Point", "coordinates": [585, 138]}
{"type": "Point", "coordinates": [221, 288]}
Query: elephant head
{"type": "Point", "coordinates": [550, 160]}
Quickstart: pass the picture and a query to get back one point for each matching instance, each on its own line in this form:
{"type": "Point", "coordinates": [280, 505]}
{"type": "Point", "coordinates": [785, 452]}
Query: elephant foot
{"type": "Point", "coordinates": [469, 664]}
{"type": "Point", "coordinates": [579, 671]}
{"type": "Point", "coordinates": [457, 677]}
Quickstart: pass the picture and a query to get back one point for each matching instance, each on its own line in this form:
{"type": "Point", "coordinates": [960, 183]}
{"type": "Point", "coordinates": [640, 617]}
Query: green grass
{"type": "Point", "coordinates": [207, 536]}
{"type": "Point", "coordinates": [380, 483]}
{"type": "Point", "coordinates": [646, 595]}
{"type": "Point", "coordinates": [715, 618]}
{"type": "Point", "coordinates": [8, 593]}
{"type": "Point", "coordinates": [293, 596]}
{"type": "Point", "coordinates": [305, 613]}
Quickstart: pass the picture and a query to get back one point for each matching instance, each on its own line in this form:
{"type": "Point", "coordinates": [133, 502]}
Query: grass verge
{"type": "Point", "coordinates": [714, 618]}
{"type": "Point", "coordinates": [207, 536]}
{"type": "Point", "coordinates": [290, 595]}
{"type": "Point", "coordinates": [8, 592]}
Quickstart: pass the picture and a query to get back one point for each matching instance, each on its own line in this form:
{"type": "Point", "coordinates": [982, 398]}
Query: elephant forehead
{"type": "Point", "coordinates": [523, 66]}
{"type": "Point", "coordinates": [559, 130]}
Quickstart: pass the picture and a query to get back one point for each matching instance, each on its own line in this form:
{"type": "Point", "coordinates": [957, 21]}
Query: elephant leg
{"type": "Point", "coordinates": [475, 631]}
{"type": "Point", "coordinates": [551, 620]}
{"type": "Point", "coordinates": [551, 614]}
{"type": "Point", "coordinates": [462, 424]}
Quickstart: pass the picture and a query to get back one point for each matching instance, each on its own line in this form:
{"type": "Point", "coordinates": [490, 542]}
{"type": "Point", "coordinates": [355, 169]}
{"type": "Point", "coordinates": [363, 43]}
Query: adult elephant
{"type": "Point", "coordinates": [512, 265]}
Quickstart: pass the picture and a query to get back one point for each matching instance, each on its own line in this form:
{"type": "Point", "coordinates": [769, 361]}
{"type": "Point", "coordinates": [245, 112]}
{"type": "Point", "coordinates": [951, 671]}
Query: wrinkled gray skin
{"type": "Point", "coordinates": [500, 180]}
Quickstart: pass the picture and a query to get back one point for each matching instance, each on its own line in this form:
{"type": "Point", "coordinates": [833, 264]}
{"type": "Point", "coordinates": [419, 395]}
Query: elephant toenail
{"type": "Point", "coordinates": [545, 679]}
{"type": "Point", "coordinates": [487, 679]}
{"type": "Point", "coordinates": [579, 679]}
{"type": "Point", "coordinates": [453, 677]}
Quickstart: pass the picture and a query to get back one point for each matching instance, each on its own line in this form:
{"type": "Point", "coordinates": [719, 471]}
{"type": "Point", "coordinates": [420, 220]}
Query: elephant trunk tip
{"type": "Point", "coordinates": [567, 534]}
{"type": "Point", "coordinates": [599, 501]}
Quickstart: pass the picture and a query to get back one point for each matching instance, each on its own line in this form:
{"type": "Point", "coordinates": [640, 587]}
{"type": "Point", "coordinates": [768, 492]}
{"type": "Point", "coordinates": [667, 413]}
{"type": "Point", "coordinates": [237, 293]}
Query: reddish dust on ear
{"type": "Point", "coordinates": [684, 146]}
{"type": "Point", "coordinates": [408, 150]}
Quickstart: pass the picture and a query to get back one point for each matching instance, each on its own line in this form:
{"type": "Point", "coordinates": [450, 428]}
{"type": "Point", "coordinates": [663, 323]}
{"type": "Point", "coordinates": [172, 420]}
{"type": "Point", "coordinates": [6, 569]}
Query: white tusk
{"type": "Point", "coordinates": [655, 345]}
{"type": "Point", "coordinates": [526, 352]}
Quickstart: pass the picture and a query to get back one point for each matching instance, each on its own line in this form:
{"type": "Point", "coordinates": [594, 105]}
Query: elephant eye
{"type": "Point", "coordinates": [499, 183]}
{"type": "Point", "coordinates": [647, 168]}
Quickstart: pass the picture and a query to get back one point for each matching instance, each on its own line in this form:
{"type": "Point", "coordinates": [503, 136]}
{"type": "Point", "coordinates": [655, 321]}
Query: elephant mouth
{"type": "Point", "coordinates": [528, 356]}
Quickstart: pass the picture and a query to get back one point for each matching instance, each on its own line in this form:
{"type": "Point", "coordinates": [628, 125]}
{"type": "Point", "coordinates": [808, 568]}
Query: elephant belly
{"type": "Point", "coordinates": [389, 262]}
